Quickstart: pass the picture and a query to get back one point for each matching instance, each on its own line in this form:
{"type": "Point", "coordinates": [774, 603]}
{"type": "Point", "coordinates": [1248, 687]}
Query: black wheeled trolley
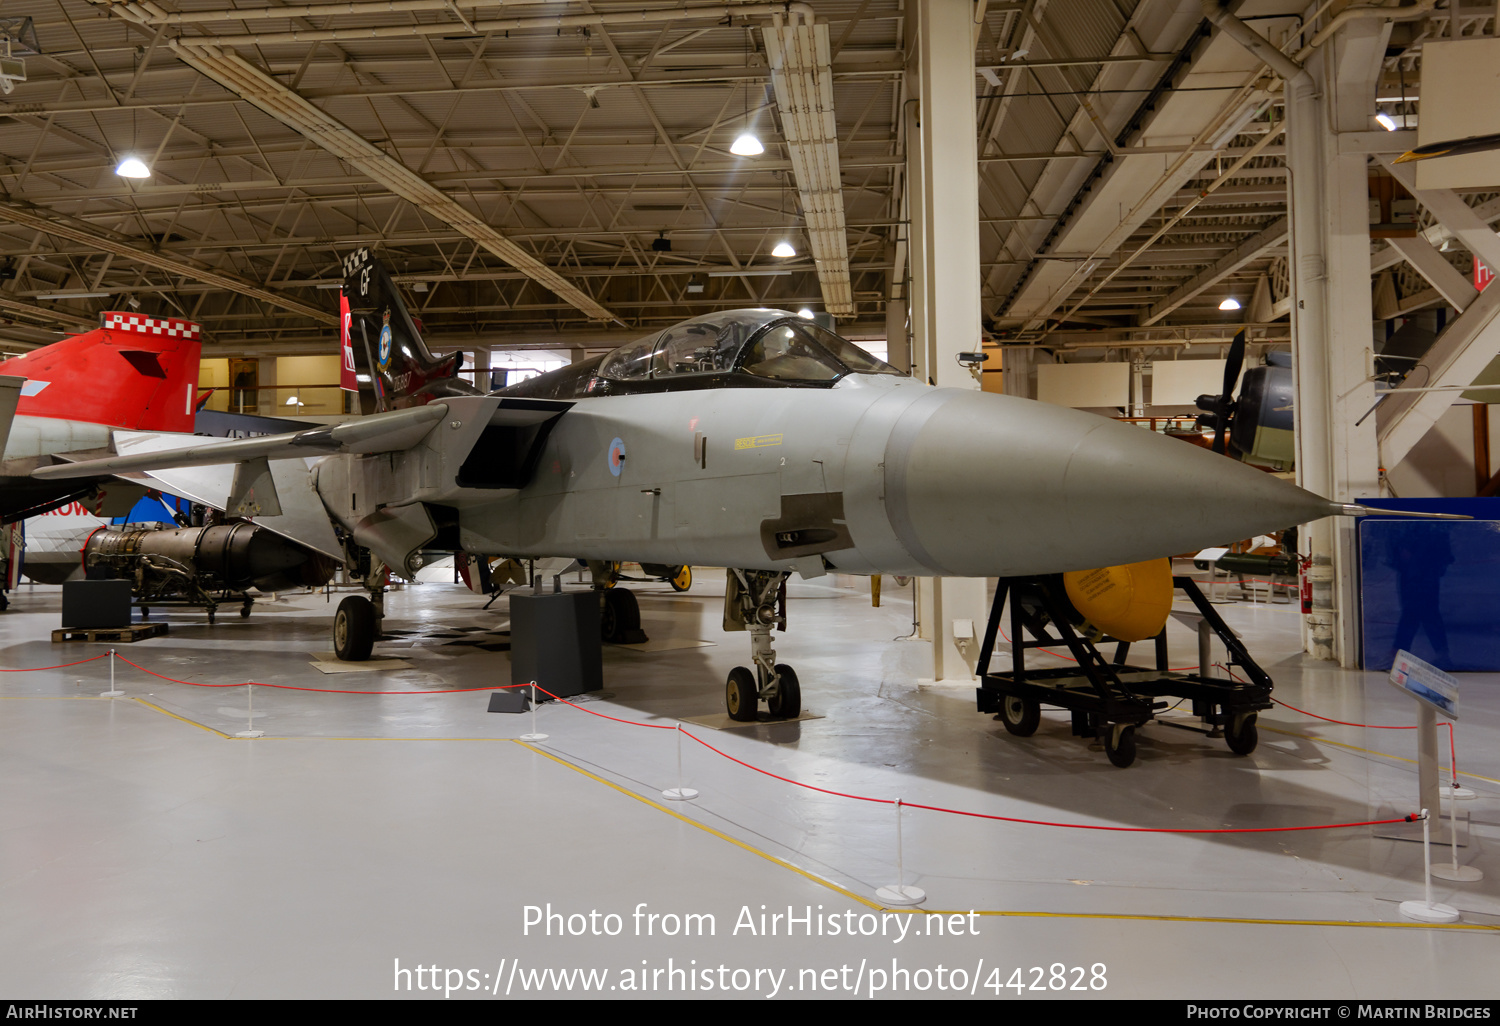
{"type": "Point", "coordinates": [1108, 699]}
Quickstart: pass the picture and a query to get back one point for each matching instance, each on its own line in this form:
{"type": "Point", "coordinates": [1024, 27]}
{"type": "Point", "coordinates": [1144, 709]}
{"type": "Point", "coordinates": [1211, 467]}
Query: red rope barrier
{"type": "Point", "coordinates": [324, 691]}
{"type": "Point", "coordinates": [797, 783]}
{"type": "Point", "coordinates": [1452, 743]}
{"type": "Point", "coordinates": [603, 716]}
{"type": "Point", "coordinates": [1043, 822]}
{"type": "Point", "coordinates": [29, 669]}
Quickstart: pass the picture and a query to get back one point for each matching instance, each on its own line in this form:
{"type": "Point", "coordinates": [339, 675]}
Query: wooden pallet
{"type": "Point", "coordinates": [122, 635]}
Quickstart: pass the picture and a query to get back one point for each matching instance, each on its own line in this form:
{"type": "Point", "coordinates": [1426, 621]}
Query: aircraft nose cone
{"type": "Point", "coordinates": [983, 485]}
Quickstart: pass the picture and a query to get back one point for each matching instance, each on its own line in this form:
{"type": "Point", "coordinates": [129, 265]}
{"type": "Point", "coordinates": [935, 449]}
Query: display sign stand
{"type": "Point", "coordinates": [1434, 692]}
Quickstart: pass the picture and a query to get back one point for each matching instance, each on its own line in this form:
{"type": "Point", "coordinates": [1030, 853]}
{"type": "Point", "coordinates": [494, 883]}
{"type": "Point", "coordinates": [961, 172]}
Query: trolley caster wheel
{"type": "Point", "coordinates": [741, 695]}
{"type": "Point", "coordinates": [1021, 716]}
{"type": "Point", "coordinates": [681, 579]}
{"type": "Point", "coordinates": [245, 611]}
{"type": "Point", "coordinates": [4, 602]}
{"type": "Point", "coordinates": [1119, 744]}
{"type": "Point", "coordinates": [145, 613]}
{"type": "Point", "coordinates": [620, 617]}
{"type": "Point", "coordinates": [211, 613]}
{"type": "Point", "coordinates": [354, 629]}
{"type": "Point", "coordinates": [1241, 735]}
{"type": "Point", "coordinates": [787, 705]}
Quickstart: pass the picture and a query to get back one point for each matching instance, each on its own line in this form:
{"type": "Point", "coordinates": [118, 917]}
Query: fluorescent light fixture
{"type": "Point", "coordinates": [1230, 304]}
{"type": "Point", "coordinates": [747, 145]}
{"type": "Point", "coordinates": [74, 295]}
{"type": "Point", "coordinates": [805, 314]}
{"type": "Point", "coordinates": [331, 285]}
{"type": "Point", "coordinates": [420, 286]}
{"type": "Point", "coordinates": [133, 167]}
{"type": "Point", "coordinates": [783, 249]}
{"type": "Point", "coordinates": [1386, 121]}
{"type": "Point", "coordinates": [362, 377]}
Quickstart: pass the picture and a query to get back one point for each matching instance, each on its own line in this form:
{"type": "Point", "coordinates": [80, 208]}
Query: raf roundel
{"type": "Point", "coordinates": [616, 456]}
{"type": "Point", "coordinates": [385, 347]}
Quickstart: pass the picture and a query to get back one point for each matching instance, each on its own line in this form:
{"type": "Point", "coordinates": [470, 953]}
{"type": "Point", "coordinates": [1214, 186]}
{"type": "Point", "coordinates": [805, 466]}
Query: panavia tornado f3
{"type": "Point", "coordinates": [750, 439]}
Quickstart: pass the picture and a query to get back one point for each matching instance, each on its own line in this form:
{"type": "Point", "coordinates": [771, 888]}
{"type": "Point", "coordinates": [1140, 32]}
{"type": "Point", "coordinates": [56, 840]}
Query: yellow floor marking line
{"type": "Point", "coordinates": [184, 719]}
{"type": "Point", "coordinates": [1367, 751]}
{"type": "Point", "coordinates": [704, 827]}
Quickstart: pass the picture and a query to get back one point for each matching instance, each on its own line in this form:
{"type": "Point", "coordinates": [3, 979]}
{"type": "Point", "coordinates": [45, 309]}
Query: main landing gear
{"type": "Point", "coordinates": [356, 625]}
{"type": "Point", "coordinates": [755, 601]}
{"type": "Point", "coordinates": [619, 612]}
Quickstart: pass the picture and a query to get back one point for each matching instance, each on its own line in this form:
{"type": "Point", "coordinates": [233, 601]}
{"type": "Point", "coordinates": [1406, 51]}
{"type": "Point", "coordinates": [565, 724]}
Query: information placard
{"type": "Point", "coordinates": [1426, 683]}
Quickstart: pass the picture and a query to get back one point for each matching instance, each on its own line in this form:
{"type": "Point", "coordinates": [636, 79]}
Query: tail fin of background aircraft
{"type": "Point", "coordinates": [133, 371]}
{"type": "Point", "coordinates": [388, 346]}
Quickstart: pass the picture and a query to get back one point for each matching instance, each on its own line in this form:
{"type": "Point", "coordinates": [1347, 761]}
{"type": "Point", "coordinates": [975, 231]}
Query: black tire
{"type": "Point", "coordinates": [741, 695]}
{"type": "Point", "coordinates": [1241, 734]}
{"type": "Point", "coordinates": [145, 613]}
{"type": "Point", "coordinates": [354, 629]}
{"type": "Point", "coordinates": [1021, 716]}
{"type": "Point", "coordinates": [681, 578]}
{"type": "Point", "coordinates": [245, 611]}
{"type": "Point", "coordinates": [787, 705]}
{"type": "Point", "coordinates": [620, 616]}
{"type": "Point", "coordinates": [1119, 744]}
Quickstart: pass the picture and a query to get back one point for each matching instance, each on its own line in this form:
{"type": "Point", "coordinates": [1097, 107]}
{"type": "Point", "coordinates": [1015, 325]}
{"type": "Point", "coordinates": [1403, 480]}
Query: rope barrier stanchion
{"type": "Point", "coordinates": [534, 735]}
{"type": "Point", "coordinates": [679, 793]}
{"type": "Point", "coordinates": [113, 691]}
{"type": "Point", "coordinates": [1428, 911]}
{"type": "Point", "coordinates": [902, 893]}
{"type": "Point", "coordinates": [250, 731]}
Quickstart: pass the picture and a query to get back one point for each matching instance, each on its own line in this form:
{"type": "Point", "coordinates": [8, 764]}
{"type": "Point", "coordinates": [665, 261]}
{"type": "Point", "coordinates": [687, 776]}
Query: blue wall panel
{"type": "Point", "coordinates": [1432, 587]}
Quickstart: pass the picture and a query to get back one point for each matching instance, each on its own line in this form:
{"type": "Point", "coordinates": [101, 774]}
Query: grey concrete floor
{"type": "Point", "coordinates": [147, 853]}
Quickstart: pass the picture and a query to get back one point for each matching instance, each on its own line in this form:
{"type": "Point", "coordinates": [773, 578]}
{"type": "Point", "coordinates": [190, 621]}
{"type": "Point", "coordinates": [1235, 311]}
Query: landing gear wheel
{"type": "Point", "coordinates": [681, 579]}
{"type": "Point", "coordinates": [354, 629]}
{"type": "Point", "coordinates": [1241, 735]}
{"type": "Point", "coordinates": [620, 618]}
{"type": "Point", "coordinates": [1021, 716]}
{"type": "Point", "coordinates": [741, 696]}
{"type": "Point", "coordinates": [787, 705]}
{"type": "Point", "coordinates": [1119, 744]}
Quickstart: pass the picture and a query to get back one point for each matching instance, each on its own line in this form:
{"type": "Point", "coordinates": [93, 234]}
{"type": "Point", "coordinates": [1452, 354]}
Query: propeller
{"type": "Point", "coordinates": [1219, 409]}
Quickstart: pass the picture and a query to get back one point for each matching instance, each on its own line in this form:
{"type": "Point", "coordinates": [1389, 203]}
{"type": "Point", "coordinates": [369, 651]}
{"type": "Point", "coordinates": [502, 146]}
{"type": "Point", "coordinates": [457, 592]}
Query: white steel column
{"type": "Point", "coordinates": [943, 177]}
{"type": "Point", "coordinates": [1334, 364]}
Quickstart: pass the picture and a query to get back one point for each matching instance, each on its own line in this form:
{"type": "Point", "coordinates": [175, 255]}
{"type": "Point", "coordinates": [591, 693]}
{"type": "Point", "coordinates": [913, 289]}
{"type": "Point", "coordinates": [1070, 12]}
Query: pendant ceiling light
{"type": "Point", "coordinates": [747, 145]}
{"type": "Point", "coordinates": [1230, 304]}
{"type": "Point", "coordinates": [783, 249]}
{"type": "Point", "coordinates": [133, 167]}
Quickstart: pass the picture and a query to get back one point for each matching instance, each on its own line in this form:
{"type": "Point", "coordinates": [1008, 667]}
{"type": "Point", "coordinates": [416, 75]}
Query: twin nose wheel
{"type": "Point", "coordinates": [742, 694]}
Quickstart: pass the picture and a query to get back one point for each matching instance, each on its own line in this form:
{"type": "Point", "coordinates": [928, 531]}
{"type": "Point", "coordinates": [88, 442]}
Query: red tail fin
{"type": "Point", "coordinates": [133, 372]}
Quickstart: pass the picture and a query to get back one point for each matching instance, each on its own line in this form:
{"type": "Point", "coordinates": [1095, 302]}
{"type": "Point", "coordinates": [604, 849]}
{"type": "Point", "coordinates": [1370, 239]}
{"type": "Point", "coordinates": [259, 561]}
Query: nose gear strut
{"type": "Point", "coordinates": [755, 601]}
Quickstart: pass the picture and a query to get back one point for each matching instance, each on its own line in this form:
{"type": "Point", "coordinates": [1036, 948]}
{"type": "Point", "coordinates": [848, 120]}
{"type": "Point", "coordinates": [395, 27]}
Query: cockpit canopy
{"type": "Point", "coordinates": [774, 344]}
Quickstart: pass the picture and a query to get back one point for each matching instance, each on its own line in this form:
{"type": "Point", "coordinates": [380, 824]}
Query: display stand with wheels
{"type": "Point", "coordinates": [1110, 699]}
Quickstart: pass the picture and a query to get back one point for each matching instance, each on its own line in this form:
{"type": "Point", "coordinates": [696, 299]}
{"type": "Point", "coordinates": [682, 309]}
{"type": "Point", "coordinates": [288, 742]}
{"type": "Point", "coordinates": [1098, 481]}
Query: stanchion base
{"type": "Point", "coordinates": [1461, 793]}
{"type": "Point", "coordinates": [1422, 912]}
{"type": "Point", "coordinates": [679, 794]}
{"type": "Point", "coordinates": [250, 733]}
{"type": "Point", "coordinates": [1458, 874]}
{"type": "Point", "coordinates": [534, 737]}
{"type": "Point", "coordinates": [902, 894]}
{"type": "Point", "coordinates": [111, 694]}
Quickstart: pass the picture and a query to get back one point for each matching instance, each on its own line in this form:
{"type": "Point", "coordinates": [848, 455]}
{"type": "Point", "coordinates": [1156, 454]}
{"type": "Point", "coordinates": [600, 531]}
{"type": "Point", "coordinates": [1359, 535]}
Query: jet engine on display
{"type": "Point", "coordinates": [750, 439]}
{"type": "Point", "coordinates": [203, 566]}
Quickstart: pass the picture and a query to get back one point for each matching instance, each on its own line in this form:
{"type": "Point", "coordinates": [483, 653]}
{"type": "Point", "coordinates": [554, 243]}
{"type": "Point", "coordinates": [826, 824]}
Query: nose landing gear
{"type": "Point", "coordinates": [755, 601]}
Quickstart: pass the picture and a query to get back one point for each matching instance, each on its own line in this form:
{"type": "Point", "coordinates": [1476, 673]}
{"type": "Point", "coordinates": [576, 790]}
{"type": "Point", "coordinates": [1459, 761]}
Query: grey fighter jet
{"type": "Point", "coordinates": [750, 439]}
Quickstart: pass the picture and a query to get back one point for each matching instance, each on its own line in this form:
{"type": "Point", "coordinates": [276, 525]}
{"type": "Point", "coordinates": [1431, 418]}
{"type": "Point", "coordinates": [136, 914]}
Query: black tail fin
{"type": "Point", "coordinates": [388, 347]}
